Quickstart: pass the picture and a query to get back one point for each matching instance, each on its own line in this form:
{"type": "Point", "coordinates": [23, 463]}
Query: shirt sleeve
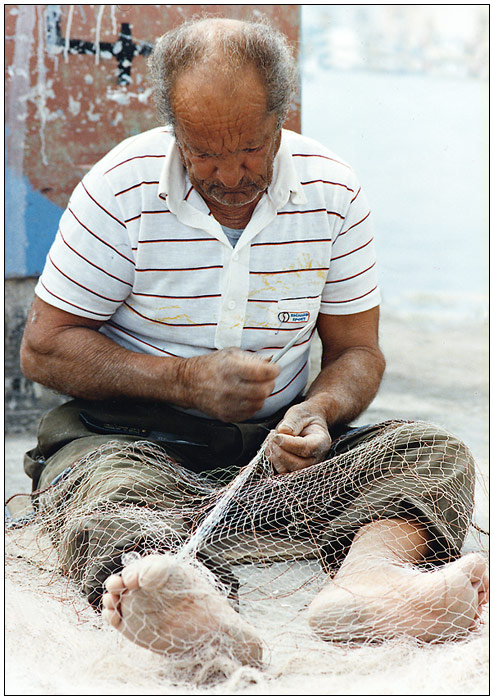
{"type": "Point", "coordinates": [351, 285]}
{"type": "Point", "coordinates": [89, 270]}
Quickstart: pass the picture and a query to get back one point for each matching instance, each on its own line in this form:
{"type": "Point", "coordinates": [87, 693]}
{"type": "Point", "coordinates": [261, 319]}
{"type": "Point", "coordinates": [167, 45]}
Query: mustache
{"type": "Point", "coordinates": [261, 183]}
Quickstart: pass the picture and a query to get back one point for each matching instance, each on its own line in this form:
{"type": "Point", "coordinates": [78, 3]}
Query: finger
{"type": "Point", "coordinates": [285, 463]}
{"type": "Point", "coordinates": [238, 411]}
{"type": "Point", "coordinates": [256, 390]}
{"type": "Point", "coordinates": [249, 366]}
{"type": "Point", "coordinates": [294, 420]}
{"type": "Point", "coordinates": [307, 446]}
{"type": "Point", "coordinates": [291, 424]}
{"type": "Point", "coordinates": [256, 370]}
{"type": "Point", "coordinates": [244, 402]}
{"type": "Point", "coordinates": [287, 429]}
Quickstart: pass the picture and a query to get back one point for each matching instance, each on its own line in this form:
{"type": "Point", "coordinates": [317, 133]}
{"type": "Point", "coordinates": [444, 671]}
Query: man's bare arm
{"type": "Point", "coordinates": [67, 353]}
{"type": "Point", "coordinates": [352, 365]}
{"type": "Point", "coordinates": [351, 371]}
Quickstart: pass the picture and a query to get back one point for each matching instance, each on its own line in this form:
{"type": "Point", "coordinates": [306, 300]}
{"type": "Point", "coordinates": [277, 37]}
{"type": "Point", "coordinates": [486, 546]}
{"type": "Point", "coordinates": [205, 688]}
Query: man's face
{"type": "Point", "coordinates": [227, 140]}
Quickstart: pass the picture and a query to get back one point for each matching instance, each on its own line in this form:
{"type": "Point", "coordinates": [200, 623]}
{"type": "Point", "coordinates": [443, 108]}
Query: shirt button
{"type": "Point", "coordinates": [231, 304]}
{"type": "Point", "coordinates": [235, 256]}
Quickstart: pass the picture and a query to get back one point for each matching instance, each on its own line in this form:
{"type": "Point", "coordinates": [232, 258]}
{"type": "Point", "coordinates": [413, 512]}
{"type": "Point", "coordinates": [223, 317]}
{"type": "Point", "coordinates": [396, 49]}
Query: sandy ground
{"type": "Point", "coordinates": [54, 645]}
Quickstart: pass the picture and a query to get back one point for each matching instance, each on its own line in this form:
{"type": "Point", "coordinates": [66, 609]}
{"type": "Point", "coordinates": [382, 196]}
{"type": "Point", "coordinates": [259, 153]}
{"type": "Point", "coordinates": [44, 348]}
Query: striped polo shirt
{"type": "Point", "coordinates": [138, 249]}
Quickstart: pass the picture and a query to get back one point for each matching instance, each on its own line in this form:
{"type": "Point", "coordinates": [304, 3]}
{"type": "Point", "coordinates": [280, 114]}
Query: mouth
{"type": "Point", "coordinates": [238, 190]}
{"type": "Point", "coordinates": [246, 190]}
{"type": "Point", "coordinates": [235, 197]}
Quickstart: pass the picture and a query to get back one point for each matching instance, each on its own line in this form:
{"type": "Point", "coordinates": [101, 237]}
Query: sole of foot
{"type": "Point", "coordinates": [369, 604]}
{"type": "Point", "coordinates": [170, 607]}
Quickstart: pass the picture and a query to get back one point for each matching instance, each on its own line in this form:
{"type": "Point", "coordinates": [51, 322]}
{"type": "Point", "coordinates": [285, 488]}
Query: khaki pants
{"type": "Point", "coordinates": [119, 494]}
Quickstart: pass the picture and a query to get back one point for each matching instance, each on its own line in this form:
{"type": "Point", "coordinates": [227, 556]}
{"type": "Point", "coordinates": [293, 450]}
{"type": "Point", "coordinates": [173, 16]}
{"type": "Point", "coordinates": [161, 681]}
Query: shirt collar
{"type": "Point", "coordinates": [285, 184]}
{"type": "Point", "coordinates": [172, 179]}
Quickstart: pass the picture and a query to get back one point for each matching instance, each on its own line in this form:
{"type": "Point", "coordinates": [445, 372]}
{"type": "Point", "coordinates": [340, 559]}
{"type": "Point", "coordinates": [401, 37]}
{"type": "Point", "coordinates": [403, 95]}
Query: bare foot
{"type": "Point", "coordinates": [371, 600]}
{"type": "Point", "coordinates": [169, 607]}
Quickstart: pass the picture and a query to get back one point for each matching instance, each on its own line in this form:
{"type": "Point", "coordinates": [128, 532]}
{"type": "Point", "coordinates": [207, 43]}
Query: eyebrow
{"type": "Point", "coordinates": [248, 145]}
{"type": "Point", "coordinates": [196, 150]}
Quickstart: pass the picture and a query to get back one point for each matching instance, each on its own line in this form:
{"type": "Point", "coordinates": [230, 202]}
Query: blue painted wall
{"type": "Point", "coordinates": [31, 222]}
{"type": "Point", "coordinates": [69, 100]}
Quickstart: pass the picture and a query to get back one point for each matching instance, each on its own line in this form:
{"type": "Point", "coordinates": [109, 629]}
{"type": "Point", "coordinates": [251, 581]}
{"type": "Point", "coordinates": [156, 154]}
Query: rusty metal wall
{"type": "Point", "coordinates": [76, 85]}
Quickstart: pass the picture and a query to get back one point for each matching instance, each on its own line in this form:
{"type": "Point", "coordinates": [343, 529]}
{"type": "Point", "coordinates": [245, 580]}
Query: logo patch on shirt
{"type": "Point", "coordinates": [294, 316]}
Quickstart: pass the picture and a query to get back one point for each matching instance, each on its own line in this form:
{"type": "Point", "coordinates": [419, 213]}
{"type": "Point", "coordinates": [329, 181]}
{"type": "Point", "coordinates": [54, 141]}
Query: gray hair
{"type": "Point", "coordinates": [255, 43]}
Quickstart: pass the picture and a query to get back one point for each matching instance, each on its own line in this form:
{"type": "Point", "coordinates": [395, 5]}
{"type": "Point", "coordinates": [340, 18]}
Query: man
{"type": "Point", "coordinates": [185, 259]}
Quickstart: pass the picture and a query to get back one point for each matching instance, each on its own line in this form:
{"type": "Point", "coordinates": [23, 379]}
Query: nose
{"type": "Point", "coordinates": [230, 171]}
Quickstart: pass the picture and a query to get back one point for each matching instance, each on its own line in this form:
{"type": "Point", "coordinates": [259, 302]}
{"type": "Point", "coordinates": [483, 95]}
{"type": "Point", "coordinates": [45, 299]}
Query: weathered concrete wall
{"type": "Point", "coordinates": [76, 85]}
{"type": "Point", "coordinates": [25, 401]}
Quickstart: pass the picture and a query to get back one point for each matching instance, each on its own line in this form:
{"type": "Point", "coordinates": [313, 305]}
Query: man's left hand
{"type": "Point", "coordinates": [300, 440]}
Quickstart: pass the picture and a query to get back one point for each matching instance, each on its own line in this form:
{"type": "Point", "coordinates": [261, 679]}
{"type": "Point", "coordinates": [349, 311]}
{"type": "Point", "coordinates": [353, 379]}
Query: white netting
{"type": "Point", "coordinates": [361, 548]}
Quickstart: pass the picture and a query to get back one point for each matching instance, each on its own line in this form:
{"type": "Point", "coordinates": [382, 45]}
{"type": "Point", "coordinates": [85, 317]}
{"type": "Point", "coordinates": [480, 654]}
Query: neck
{"type": "Point", "coordinates": [233, 217]}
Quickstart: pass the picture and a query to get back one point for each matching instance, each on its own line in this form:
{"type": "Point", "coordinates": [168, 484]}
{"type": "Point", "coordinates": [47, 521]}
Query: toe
{"type": "Point", "coordinates": [480, 581]}
{"type": "Point", "coordinates": [130, 578]}
{"type": "Point", "coordinates": [151, 572]}
{"type": "Point", "coordinates": [110, 601]}
{"type": "Point", "coordinates": [112, 617]}
{"type": "Point", "coordinates": [114, 584]}
{"type": "Point", "coordinates": [475, 567]}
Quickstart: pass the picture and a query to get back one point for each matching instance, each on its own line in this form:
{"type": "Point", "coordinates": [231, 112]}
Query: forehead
{"type": "Point", "coordinates": [224, 109]}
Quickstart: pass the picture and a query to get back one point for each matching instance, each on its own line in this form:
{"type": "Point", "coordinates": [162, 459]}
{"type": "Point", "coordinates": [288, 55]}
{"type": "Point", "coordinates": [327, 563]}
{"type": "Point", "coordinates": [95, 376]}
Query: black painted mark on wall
{"type": "Point", "coordinates": [123, 50]}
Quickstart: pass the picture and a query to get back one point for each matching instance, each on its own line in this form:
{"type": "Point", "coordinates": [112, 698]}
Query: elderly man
{"type": "Point", "coordinates": [185, 259]}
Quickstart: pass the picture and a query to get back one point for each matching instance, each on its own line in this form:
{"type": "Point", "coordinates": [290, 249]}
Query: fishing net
{"type": "Point", "coordinates": [229, 564]}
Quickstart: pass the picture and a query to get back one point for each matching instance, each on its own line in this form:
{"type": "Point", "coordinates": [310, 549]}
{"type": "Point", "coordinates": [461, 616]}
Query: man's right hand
{"type": "Point", "coordinates": [230, 385]}
{"type": "Point", "coordinates": [67, 353]}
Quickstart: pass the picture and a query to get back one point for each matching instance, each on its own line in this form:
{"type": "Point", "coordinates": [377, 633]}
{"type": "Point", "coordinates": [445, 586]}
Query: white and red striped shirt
{"type": "Point", "coordinates": [138, 249]}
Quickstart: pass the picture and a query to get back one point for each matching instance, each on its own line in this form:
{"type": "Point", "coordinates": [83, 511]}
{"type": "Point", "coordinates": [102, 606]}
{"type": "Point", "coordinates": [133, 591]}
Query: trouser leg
{"type": "Point", "coordinates": [406, 470]}
{"type": "Point", "coordinates": [122, 497]}
{"type": "Point", "coordinates": [118, 497]}
{"type": "Point", "coordinates": [412, 471]}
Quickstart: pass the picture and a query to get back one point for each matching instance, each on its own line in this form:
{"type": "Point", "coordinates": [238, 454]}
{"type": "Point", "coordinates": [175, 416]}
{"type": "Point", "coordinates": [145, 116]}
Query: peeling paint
{"type": "Point", "coordinates": [67, 34]}
{"type": "Point", "coordinates": [93, 116]}
{"type": "Point", "coordinates": [98, 32]}
{"type": "Point", "coordinates": [67, 107]}
{"type": "Point", "coordinates": [16, 115]}
{"type": "Point", "coordinates": [124, 97]}
{"type": "Point", "coordinates": [113, 19]}
{"type": "Point", "coordinates": [74, 106]}
{"type": "Point", "coordinates": [52, 13]}
{"type": "Point", "coordinates": [41, 84]}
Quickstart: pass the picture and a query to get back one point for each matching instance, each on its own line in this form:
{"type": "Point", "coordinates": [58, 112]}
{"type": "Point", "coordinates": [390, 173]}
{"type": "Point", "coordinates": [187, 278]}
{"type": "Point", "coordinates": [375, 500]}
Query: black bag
{"type": "Point", "coordinates": [197, 443]}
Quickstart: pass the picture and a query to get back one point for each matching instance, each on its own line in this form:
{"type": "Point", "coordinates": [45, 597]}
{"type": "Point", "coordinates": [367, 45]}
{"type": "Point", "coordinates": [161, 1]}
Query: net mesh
{"type": "Point", "coordinates": [358, 549]}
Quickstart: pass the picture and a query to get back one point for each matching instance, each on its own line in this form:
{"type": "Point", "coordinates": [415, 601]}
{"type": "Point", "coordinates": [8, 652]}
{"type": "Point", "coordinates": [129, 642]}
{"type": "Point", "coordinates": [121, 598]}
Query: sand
{"type": "Point", "coordinates": [55, 645]}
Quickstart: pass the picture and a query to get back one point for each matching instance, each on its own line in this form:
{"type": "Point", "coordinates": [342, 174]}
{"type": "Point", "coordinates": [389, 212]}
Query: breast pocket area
{"type": "Point", "coordinates": [292, 314]}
